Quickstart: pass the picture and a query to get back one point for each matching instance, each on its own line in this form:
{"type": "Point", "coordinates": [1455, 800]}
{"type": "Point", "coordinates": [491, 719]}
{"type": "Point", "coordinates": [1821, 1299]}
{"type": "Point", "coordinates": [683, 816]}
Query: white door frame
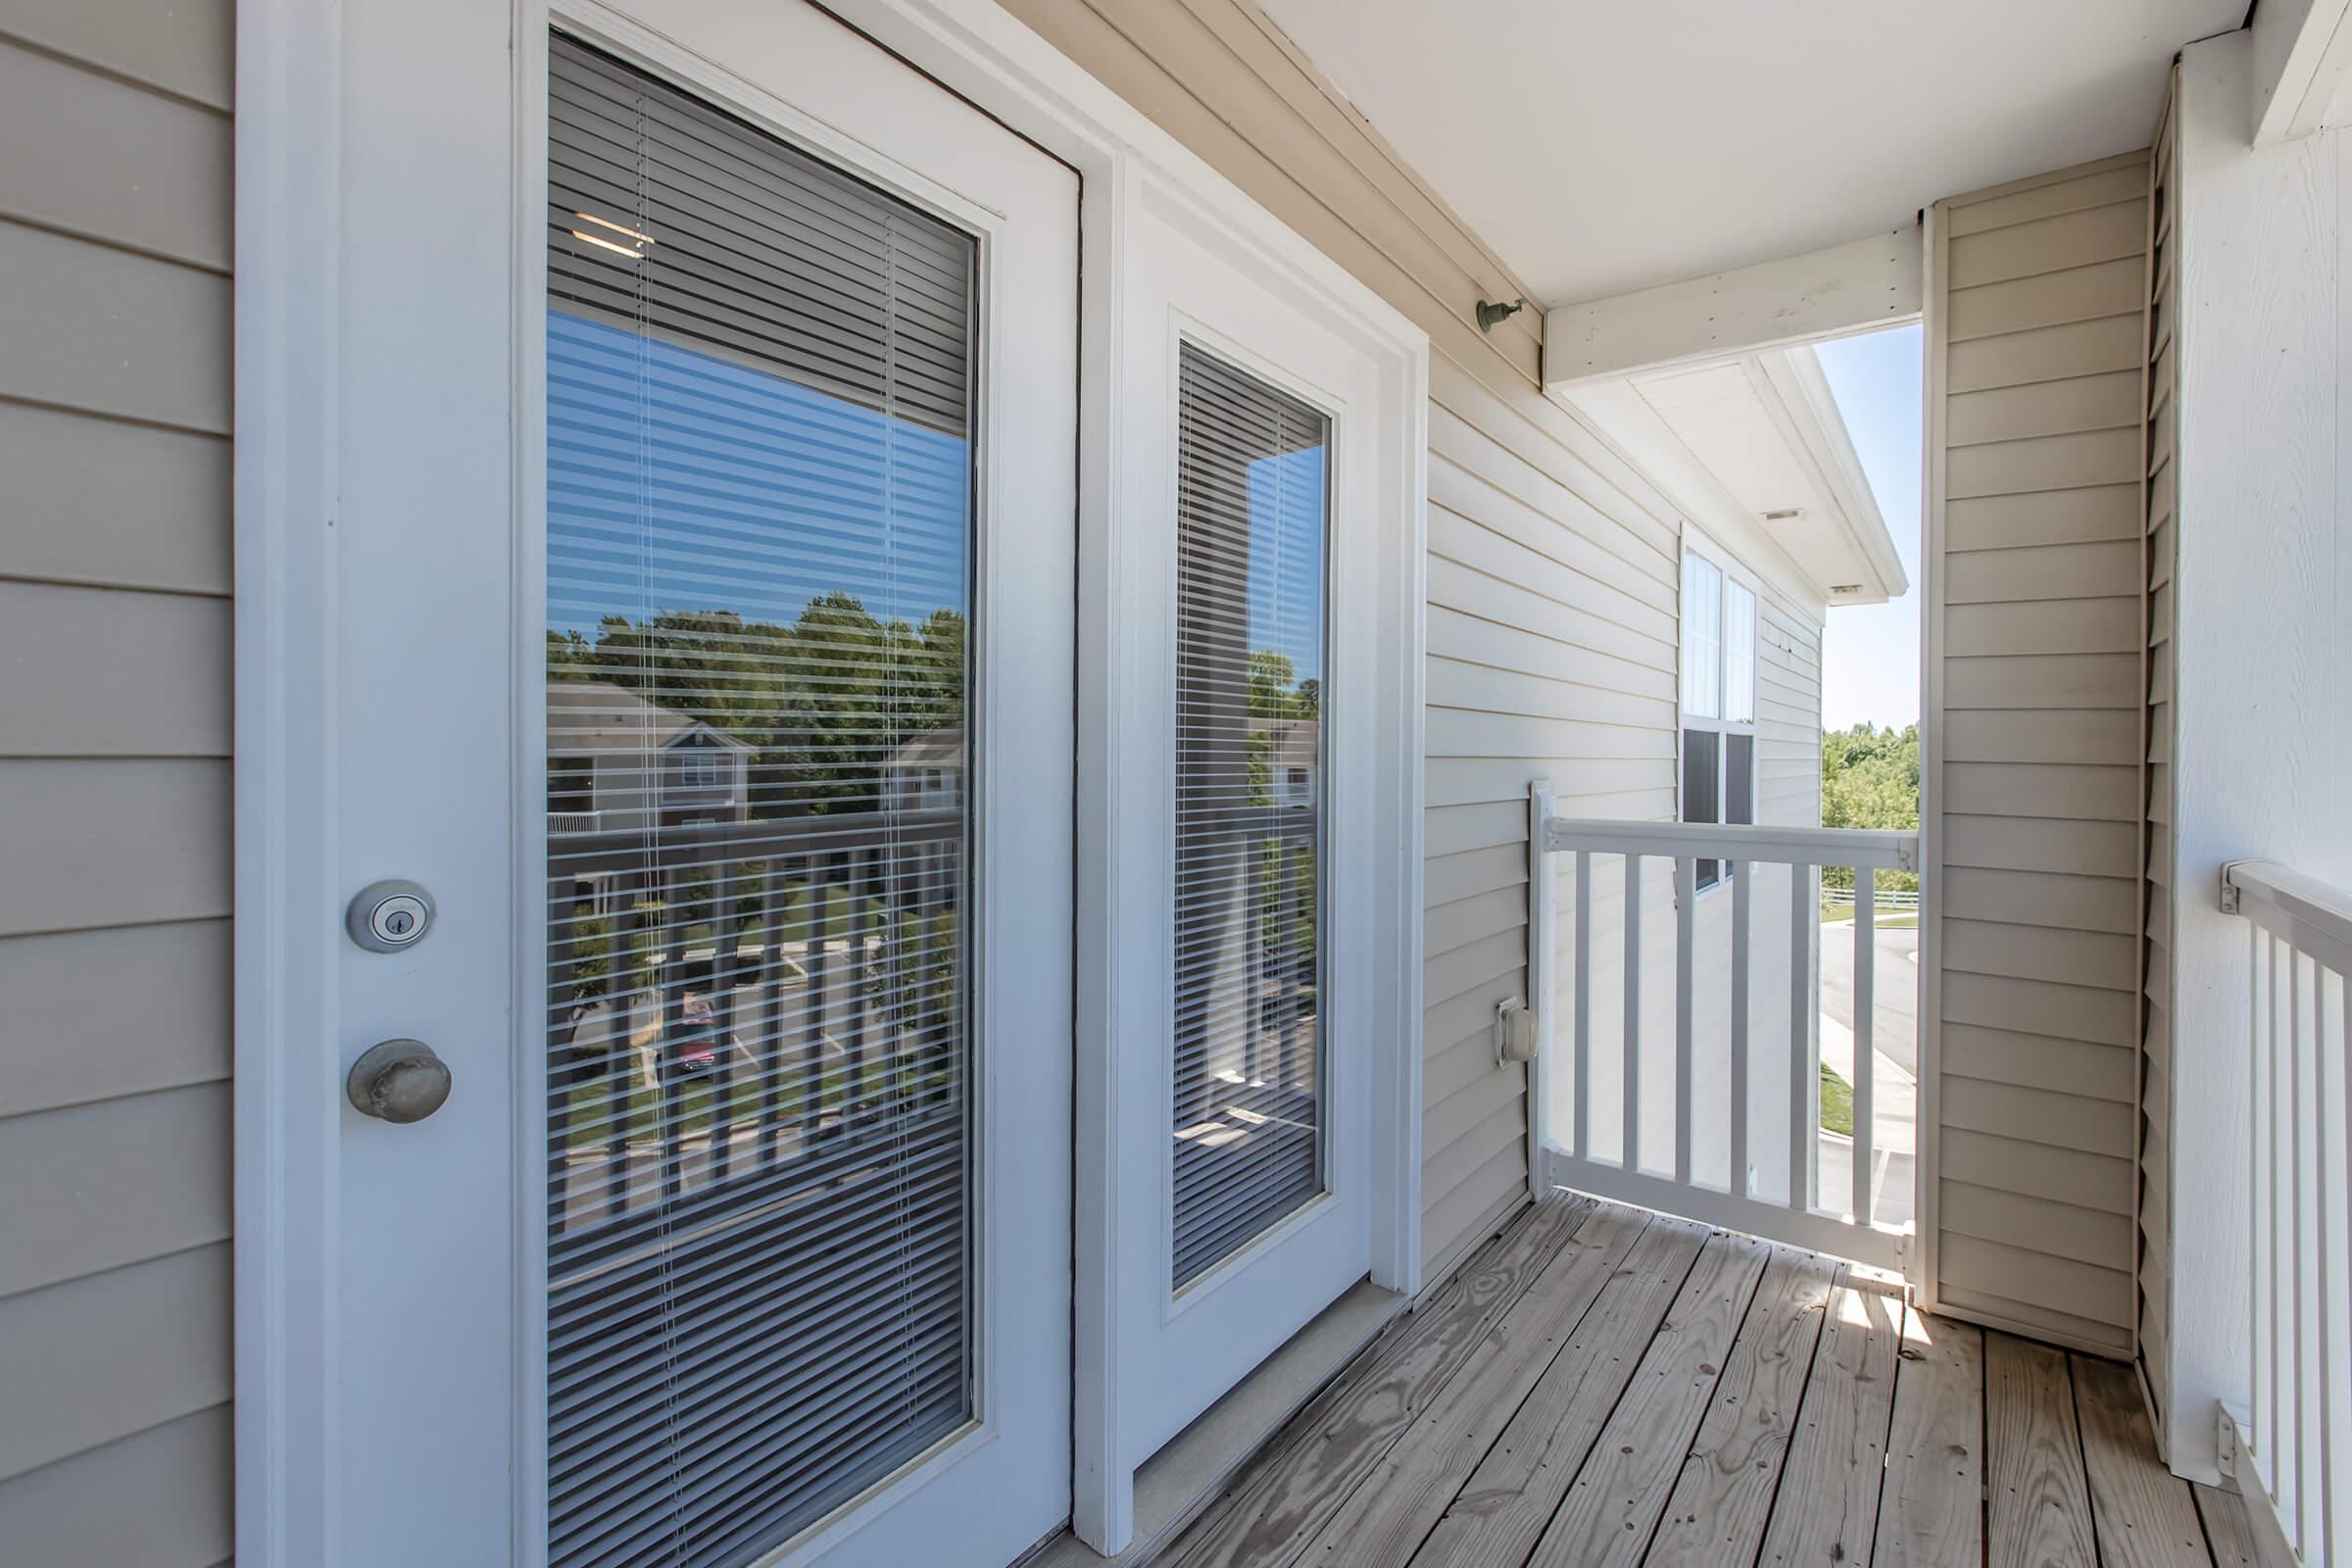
{"type": "Point", "coordinates": [289, 225]}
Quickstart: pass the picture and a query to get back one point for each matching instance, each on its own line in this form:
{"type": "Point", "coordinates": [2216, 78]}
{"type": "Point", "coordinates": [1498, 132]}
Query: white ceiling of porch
{"type": "Point", "coordinates": [1605, 147]}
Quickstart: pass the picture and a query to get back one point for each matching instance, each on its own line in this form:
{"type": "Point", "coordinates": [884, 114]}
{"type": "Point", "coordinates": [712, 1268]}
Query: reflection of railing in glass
{"type": "Point", "coordinates": [759, 995]}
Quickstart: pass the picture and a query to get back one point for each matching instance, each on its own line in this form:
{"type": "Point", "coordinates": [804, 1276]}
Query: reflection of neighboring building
{"type": "Point", "coordinates": [927, 773]}
{"type": "Point", "coordinates": [617, 763]}
{"type": "Point", "coordinates": [1291, 758]}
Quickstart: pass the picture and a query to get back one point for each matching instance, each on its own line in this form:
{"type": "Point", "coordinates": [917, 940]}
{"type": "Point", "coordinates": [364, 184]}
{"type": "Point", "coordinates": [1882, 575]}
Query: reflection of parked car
{"type": "Point", "coordinates": [692, 1047]}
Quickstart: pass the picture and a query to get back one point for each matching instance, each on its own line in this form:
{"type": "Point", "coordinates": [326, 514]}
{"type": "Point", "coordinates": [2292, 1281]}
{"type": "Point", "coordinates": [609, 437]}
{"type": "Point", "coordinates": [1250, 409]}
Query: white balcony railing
{"type": "Point", "coordinates": [2293, 1444]}
{"type": "Point", "coordinates": [1681, 1028]}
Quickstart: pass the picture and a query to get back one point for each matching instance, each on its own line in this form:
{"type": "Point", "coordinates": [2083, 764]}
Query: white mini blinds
{"type": "Point", "coordinates": [758, 1027]}
{"type": "Point", "coordinates": [1252, 515]}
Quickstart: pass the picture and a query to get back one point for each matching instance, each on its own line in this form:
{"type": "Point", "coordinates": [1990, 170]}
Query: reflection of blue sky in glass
{"type": "Point", "coordinates": [678, 481]}
{"type": "Point", "coordinates": [1286, 558]}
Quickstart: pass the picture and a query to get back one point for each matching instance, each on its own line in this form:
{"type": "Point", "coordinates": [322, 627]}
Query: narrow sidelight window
{"type": "Point", "coordinates": [1252, 524]}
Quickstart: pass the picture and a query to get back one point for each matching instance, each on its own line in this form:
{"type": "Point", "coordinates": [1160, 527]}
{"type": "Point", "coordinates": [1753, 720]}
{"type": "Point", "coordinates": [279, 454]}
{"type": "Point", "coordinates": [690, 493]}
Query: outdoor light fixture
{"type": "Point", "coordinates": [1488, 312]}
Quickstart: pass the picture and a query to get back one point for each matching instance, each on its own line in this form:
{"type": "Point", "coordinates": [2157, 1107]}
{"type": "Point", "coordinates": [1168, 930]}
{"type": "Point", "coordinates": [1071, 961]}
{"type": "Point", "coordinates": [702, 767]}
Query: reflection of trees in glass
{"type": "Point", "coordinates": [1286, 869]}
{"type": "Point", "coordinates": [823, 702]}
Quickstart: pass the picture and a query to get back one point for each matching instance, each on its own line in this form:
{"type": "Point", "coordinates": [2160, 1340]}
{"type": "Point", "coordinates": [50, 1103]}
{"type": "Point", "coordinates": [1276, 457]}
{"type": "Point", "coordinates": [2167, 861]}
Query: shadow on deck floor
{"type": "Point", "coordinates": [1602, 1386]}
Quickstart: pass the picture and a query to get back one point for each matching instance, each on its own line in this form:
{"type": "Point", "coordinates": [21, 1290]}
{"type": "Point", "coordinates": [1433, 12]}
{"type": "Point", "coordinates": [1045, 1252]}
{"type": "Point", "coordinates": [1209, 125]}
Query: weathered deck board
{"type": "Point", "coordinates": [1620, 1494]}
{"type": "Point", "coordinates": [1509, 1495]}
{"type": "Point", "coordinates": [2229, 1533]}
{"type": "Point", "coordinates": [2038, 1509]}
{"type": "Point", "coordinates": [1828, 1509]}
{"type": "Point", "coordinates": [1560, 1404]}
{"type": "Point", "coordinates": [1723, 1498]}
{"type": "Point", "coordinates": [1932, 1514]}
{"type": "Point", "coordinates": [1386, 1517]}
{"type": "Point", "coordinates": [2143, 1515]}
{"type": "Point", "coordinates": [1292, 1488]}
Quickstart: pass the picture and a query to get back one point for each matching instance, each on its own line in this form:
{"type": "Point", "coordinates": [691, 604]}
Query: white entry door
{"type": "Point", "coordinates": [1264, 619]}
{"type": "Point", "coordinates": [704, 657]}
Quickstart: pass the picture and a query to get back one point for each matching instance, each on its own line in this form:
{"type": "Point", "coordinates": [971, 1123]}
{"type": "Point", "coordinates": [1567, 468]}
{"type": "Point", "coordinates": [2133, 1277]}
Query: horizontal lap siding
{"type": "Point", "coordinates": [2154, 1260]}
{"type": "Point", "coordinates": [2040, 587]}
{"type": "Point", "coordinates": [114, 867]}
{"type": "Point", "coordinates": [1553, 578]}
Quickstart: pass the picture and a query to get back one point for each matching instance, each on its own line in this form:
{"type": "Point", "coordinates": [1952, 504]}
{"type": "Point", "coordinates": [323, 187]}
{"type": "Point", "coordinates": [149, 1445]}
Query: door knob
{"type": "Point", "coordinates": [398, 1081]}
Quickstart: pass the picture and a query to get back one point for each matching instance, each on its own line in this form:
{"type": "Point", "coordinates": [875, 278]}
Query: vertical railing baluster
{"type": "Point", "coordinates": [1866, 968]}
{"type": "Point", "coordinates": [2281, 1255]}
{"type": "Point", "coordinates": [1741, 874]}
{"type": "Point", "coordinates": [558, 1041]}
{"type": "Point", "coordinates": [670, 972]}
{"type": "Point", "coordinates": [816, 898]}
{"type": "Point", "coordinates": [2329, 1124]}
{"type": "Point", "coordinates": [1685, 899]}
{"type": "Point", "coordinates": [770, 1008]}
{"type": "Point", "coordinates": [1633, 1013]}
{"type": "Point", "coordinates": [2299, 1252]}
{"type": "Point", "coordinates": [1582, 1015]}
{"type": "Point", "coordinates": [620, 1052]}
{"type": "Point", "coordinates": [1804, 1078]}
{"type": "Point", "coordinates": [2262, 1367]}
{"type": "Point", "coordinates": [727, 1041]}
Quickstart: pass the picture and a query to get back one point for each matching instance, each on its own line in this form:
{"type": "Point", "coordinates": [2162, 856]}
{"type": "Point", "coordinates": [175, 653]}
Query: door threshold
{"type": "Point", "coordinates": [1193, 1469]}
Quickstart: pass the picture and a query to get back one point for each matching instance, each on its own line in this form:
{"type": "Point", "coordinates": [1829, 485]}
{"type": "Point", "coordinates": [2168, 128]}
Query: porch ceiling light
{"type": "Point", "coordinates": [635, 252]}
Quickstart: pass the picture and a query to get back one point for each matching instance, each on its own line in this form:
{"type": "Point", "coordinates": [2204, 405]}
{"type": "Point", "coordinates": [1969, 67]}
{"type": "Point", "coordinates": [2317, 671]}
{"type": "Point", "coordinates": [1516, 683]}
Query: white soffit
{"type": "Point", "coordinates": [1603, 147]}
{"type": "Point", "coordinates": [1753, 448]}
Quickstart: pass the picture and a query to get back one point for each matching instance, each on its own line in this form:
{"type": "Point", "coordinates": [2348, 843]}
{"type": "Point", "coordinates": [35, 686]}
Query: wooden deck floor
{"type": "Point", "coordinates": [1601, 1386]}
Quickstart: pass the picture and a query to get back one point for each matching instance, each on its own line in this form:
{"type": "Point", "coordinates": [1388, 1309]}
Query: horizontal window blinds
{"type": "Point", "coordinates": [1251, 524]}
{"type": "Point", "coordinates": [759, 534]}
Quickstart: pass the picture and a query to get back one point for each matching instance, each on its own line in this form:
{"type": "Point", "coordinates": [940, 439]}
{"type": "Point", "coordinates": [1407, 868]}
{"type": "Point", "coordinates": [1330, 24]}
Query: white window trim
{"type": "Point", "coordinates": [1723, 727]}
{"type": "Point", "coordinates": [289, 190]}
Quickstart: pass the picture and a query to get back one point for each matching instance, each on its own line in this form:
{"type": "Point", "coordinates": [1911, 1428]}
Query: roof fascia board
{"type": "Point", "coordinates": [1799, 400]}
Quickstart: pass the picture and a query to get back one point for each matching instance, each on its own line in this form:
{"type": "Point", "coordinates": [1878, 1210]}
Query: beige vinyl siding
{"type": "Point", "coordinates": [2154, 1262]}
{"type": "Point", "coordinates": [1552, 566]}
{"type": "Point", "coordinates": [2037, 418]}
{"type": "Point", "coordinates": [114, 865]}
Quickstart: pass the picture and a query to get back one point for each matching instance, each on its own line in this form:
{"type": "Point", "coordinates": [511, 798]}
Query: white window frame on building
{"type": "Point", "coordinates": [1719, 629]}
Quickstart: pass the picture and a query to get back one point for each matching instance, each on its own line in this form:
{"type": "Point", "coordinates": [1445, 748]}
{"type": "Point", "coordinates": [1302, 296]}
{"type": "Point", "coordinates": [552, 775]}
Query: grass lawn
{"type": "Point", "coordinates": [1890, 918]}
{"type": "Point", "coordinates": [1836, 1103]}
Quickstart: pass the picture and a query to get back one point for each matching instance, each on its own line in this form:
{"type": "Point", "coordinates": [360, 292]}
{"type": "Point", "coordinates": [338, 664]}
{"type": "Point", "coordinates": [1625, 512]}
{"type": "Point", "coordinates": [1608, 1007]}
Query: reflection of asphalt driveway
{"type": "Point", "coordinates": [1894, 1015]}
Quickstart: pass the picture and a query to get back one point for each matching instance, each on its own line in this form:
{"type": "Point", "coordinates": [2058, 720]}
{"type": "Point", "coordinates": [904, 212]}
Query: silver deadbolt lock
{"type": "Point", "coordinates": [389, 916]}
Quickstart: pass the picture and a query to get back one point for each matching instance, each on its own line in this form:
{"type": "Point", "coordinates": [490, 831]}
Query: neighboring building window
{"type": "Point", "coordinates": [699, 768]}
{"type": "Point", "coordinates": [1718, 701]}
{"type": "Point", "coordinates": [570, 783]}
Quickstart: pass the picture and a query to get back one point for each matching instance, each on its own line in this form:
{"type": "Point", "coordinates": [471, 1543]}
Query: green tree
{"type": "Point", "coordinates": [1870, 779]}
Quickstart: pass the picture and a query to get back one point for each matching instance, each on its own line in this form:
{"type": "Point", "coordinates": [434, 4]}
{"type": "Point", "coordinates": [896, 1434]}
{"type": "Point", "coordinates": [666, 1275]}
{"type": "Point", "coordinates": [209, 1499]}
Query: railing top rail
{"type": "Point", "coordinates": [2315, 915]}
{"type": "Point", "coordinates": [1865, 849]}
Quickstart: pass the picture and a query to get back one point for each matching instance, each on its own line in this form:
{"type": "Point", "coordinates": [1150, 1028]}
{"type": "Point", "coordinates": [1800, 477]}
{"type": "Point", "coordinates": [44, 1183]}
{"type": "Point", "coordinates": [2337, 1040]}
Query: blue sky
{"type": "Point", "coordinates": [1870, 656]}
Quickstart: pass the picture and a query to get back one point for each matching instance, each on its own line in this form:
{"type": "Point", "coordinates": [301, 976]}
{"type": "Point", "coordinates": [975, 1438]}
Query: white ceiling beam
{"type": "Point", "coordinates": [2302, 55]}
{"type": "Point", "coordinates": [1869, 282]}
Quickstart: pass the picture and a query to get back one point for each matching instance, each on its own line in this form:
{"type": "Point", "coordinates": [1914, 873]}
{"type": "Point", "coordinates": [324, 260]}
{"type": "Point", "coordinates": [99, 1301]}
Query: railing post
{"type": "Point", "coordinates": [1541, 994]}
